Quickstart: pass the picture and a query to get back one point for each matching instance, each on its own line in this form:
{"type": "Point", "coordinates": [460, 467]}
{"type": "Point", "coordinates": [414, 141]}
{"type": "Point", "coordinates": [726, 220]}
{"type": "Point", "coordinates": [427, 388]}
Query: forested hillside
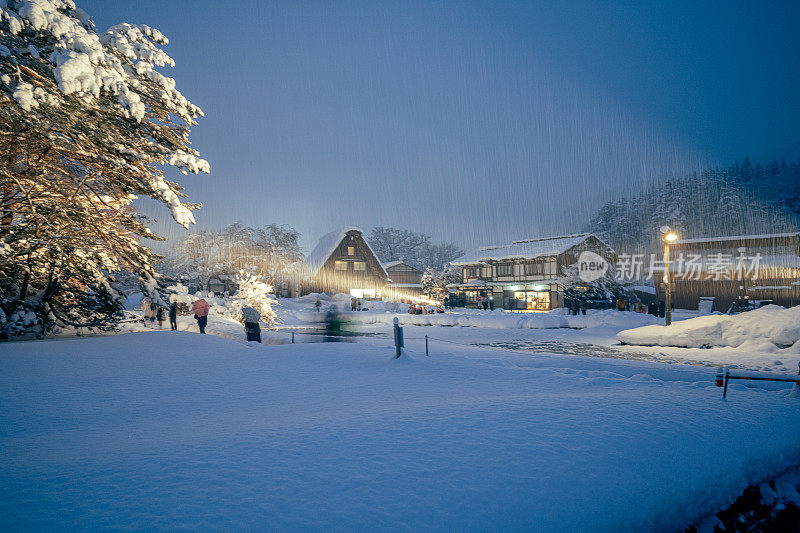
{"type": "Point", "coordinates": [741, 199]}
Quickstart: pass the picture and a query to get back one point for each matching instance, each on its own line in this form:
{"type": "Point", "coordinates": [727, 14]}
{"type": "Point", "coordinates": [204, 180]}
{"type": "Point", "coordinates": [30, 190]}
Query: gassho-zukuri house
{"type": "Point", "coordinates": [524, 275]}
{"type": "Point", "coordinates": [343, 261]}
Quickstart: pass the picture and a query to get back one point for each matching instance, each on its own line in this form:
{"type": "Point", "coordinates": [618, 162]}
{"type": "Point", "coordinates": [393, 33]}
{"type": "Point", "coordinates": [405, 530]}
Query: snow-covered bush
{"type": "Point", "coordinates": [253, 292]}
{"type": "Point", "coordinates": [256, 292]}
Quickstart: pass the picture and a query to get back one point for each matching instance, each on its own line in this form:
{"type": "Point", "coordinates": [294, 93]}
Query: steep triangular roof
{"type": "Point", "coordinates": [328, 244]}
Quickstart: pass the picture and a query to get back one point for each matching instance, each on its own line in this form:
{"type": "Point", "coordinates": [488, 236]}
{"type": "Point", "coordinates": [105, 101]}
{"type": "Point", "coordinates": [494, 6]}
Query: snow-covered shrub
{"type": "Point", "coordinates": [180, 294]}
{"type": "Point", "coordinates": [256, 292]}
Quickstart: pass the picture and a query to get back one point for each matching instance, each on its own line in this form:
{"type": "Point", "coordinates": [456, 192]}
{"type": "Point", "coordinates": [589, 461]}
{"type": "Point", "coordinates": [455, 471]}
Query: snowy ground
{"type": "Point", "coordinates": [594, 335]}
{"type": "Point", "coordinates": [166, 430]}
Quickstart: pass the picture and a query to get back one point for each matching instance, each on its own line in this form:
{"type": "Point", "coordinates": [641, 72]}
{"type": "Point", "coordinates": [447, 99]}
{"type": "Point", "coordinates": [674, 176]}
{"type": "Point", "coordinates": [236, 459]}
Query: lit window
{"type": "Point", "coordinates": [360, 266]}
{"type": "Point", "coordinates": [340, 265]}
{"type": "Point", "coordinates": [351, 250]}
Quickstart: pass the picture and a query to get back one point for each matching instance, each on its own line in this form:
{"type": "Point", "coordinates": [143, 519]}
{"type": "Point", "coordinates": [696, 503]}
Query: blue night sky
{"type": "Point", "coordinates": [476, 122]}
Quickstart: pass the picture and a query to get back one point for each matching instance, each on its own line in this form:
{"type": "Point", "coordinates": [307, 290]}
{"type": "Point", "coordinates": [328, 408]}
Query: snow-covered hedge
{"type": "Point", "coordinates": [767, 328]}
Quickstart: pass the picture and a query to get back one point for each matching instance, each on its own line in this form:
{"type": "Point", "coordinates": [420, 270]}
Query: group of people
{"type": "Point", "coordinates": [153, 312]}
{"type": "Point", "coordinates": [656, 308]}
{"type": "Point", "coordinates": [415, 309]}
{"type": "Point", "coordinates": [577, 307]}
{"type": "Point", "coordinates": [484, 302]}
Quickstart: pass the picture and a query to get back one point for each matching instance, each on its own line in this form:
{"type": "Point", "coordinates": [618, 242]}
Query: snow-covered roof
{"type": "Point", "coordinates": [737, 238]}
{"type": "Point", "coordinates": [524, 249]}
{"type": "Point", "coordinates": [520, 284]}
{"type": "Point", "coordinates": [649, 289]}
{"type": "Point", "coordinates": [327, 245]}
{"type": "Point", "coordinates": [394, 264]}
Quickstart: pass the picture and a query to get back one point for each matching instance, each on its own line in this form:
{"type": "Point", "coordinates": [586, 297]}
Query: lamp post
{"type": "Point", "coordinates": [669, 236]}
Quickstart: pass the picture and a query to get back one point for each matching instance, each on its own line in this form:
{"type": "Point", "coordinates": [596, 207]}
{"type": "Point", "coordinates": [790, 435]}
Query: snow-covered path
{"type": "Point", "coordinates": [164, 430]}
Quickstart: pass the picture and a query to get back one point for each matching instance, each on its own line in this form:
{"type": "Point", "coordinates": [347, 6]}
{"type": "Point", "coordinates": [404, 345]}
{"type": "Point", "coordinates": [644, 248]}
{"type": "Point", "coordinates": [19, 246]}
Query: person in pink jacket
{"type": "Point", "coordinates": [200, 308]}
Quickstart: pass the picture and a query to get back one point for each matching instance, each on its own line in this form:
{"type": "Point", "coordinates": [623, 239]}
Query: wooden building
{"type": "Point", "coordinates": [742, 270]}
{"type": "Point", "coordinates": [406, 281]}
{"type": "Point", "coordinates": [524, 275]}
{"type": "Point", "coordinates": [343, 261]}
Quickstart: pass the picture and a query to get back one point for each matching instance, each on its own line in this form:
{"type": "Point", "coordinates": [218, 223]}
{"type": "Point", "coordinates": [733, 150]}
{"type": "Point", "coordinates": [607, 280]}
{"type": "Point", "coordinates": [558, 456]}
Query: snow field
{"type": "Point", "coordinates": [166, 430]}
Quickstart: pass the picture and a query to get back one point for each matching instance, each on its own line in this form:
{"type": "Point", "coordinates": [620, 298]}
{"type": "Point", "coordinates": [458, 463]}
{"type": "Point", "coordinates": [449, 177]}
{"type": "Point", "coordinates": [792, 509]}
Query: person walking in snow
{"type": "Point", "coordinates": [252, 326]}
{"type": "Point", "coordinates": [584, 307]}
{"type": "Point", "coordinates": [573, 307]}
{"type": "Point", "coordinates": [173, 315]}
{"type": "Point", "coordinates": [160, 315]}
{"type": "Point", "coordinates": [318, 304]}
{"type": "Point", "coordinates": [200, 308]}
{"type": "Point", "coordinates": [146, 307]}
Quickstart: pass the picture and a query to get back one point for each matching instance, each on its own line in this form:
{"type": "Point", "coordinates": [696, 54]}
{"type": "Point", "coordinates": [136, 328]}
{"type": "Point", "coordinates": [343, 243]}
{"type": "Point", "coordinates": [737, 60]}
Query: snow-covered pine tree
{"type": "Point", "coordinates": [604, 288]}
{"type": "Point", "coordinates": [435, 282]}
{"type": "Point", "coordinates": [87, 124]}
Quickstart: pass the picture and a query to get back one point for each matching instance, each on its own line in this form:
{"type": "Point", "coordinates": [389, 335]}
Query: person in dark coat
{"type": "Point", "coordinates": [584, 307]}
{"type": "Point", "coordinates": [201, 309]}
{"type": "Point", "coordinates": [252, 324]}
{"type": "Point", "coordinates": [173, 316]}
{"type": "Point", "coordinates": [573, 307]}
{"type": "Point", "coordinates": [160, 315]}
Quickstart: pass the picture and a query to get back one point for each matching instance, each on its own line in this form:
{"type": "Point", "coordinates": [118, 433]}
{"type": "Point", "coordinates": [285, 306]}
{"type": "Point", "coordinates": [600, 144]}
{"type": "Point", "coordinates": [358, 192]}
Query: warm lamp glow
{"type": "Point", "coordinates": [669, 237]}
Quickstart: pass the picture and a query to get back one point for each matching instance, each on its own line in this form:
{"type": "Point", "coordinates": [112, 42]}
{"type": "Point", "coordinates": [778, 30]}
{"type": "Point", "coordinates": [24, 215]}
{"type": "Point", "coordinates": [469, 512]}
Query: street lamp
{"type": "Point", "coordinates": [669, 236]}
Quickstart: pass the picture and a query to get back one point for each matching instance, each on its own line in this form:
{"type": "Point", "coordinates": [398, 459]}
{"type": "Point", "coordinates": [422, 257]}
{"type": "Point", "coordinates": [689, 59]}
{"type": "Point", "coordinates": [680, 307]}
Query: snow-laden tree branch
{"type": "Point", "coordinates": [87, 125]}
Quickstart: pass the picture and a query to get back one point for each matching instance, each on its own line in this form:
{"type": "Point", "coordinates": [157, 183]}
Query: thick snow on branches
{"type": "Point", "coordinates": [87, 125]}
{"type": "Point", "coordinates": [118, 64]}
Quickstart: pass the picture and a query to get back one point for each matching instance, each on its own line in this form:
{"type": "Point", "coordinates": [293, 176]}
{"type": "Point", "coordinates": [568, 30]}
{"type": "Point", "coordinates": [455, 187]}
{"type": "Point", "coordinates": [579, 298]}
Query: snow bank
{"type": "Point", "coordinates": [767, 329]}
{"type": "Point", "coordinates": [507, 320]}
{"type": "Point", "coordinates": [173, 430]}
